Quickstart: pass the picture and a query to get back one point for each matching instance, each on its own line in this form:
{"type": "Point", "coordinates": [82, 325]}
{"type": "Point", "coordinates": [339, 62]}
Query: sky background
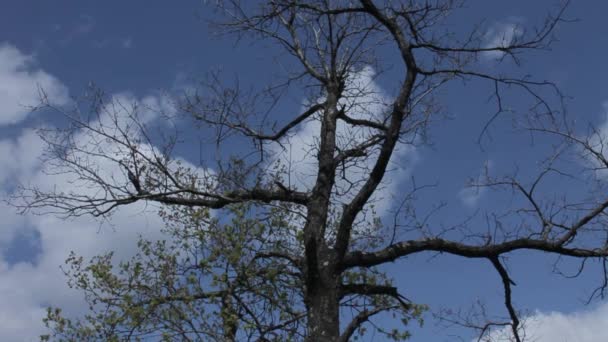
{"type": "Point", "coordinates": [136, 49]}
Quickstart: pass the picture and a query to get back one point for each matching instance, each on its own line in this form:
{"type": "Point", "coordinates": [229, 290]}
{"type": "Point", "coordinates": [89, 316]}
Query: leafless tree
{"type": "Point", "coordinates": [335, 248]}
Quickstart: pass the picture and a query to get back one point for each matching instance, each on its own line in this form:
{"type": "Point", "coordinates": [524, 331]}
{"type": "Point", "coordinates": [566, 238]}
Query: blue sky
{"type": "Point", "coordinates": [138, 48]}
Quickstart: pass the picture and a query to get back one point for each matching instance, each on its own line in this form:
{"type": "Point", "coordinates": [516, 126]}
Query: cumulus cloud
{"type": "Point", "coordinates": [365, 99]}
{"type": "Point", "coordinates": [21, 84]}
{"type": "Point", "coordinates": [28, 287]}
{"type": "Point", "coordinates": [581, 326]}
{"type": "Point", "coordinates": [20, 158]}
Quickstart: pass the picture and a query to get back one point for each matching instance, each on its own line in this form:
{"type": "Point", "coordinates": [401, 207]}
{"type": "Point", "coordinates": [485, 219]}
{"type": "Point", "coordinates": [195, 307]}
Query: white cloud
{"type": "Point", "coordinates": [582, 326]}
{"type": "Point", "coordinates": [602, 132]}
{"type": "Point", "coordinates": [501, 35]}
{"type": "Point", "coordinates": [365, 99]}
{"type": "Point", "coordinates": [470, 195]}
{"type": "Point", "coordinates": [26, 288]}
{"type": "Point", "coordinates": [20, 157]}
{"type": "Point", "coordinates": [598, 141]}
{"type": "Point", "coordinates": [21, 83]}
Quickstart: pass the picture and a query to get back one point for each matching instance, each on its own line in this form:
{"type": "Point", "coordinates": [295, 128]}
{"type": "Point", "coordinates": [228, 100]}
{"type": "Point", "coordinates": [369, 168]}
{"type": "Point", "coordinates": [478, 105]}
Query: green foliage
{"type": "Point", "coordinates": [225, 278]}
{"type": "Point", "coordinates": [208, 281]}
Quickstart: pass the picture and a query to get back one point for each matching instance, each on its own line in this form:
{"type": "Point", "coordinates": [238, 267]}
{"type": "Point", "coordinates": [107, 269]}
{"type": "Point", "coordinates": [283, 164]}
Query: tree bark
{"type": "Point", "coordinates": [323, 304]}
{"type": "Point", "coordinates": [322, 296]}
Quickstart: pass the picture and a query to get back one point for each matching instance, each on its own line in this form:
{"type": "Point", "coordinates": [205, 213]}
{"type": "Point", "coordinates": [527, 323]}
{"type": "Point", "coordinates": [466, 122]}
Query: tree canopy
{"type": "Point", "coordinates": [277, 235]}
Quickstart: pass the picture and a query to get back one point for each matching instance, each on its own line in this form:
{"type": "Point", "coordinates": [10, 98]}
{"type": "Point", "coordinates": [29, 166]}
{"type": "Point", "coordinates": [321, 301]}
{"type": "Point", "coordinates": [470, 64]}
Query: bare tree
{"type": "Point", "coordinates": [327, 240]}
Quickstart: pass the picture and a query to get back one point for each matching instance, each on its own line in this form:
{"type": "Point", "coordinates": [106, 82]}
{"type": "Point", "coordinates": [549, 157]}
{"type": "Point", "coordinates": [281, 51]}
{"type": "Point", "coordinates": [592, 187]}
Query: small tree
{"type": "Point", "coordinates": [211, 281]}
{"type": "Point", "coordinates": [282, 258]}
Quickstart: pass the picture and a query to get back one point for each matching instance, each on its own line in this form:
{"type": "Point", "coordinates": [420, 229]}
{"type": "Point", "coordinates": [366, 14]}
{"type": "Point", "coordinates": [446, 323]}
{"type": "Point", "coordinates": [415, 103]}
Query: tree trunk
{"type": "Point", "coordinates": [323, 304]}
